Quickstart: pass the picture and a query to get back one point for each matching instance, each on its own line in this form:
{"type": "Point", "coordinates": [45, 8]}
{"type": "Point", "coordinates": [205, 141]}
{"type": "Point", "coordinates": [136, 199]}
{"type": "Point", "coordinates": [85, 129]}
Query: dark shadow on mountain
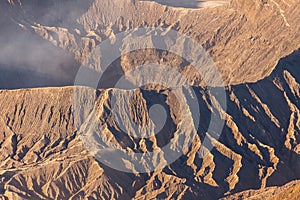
{"type": "Point", "coordinates": [261, 131]}
{"type": "Point", "coordinates": [274, 96]}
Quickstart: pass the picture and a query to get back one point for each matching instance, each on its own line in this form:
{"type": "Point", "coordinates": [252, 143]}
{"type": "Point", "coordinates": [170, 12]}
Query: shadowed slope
{"type": "Point", "coordinates": [260, 140]}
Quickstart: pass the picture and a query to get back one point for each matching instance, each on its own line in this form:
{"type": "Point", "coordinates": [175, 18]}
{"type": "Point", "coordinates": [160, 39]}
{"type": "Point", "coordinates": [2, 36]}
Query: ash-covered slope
{"type": "Point", "coordinates": [42, 156]}
{"type": "Point", "coordinates": [239, 35]}
{"type": "Point", "coordinates": [288, 191]}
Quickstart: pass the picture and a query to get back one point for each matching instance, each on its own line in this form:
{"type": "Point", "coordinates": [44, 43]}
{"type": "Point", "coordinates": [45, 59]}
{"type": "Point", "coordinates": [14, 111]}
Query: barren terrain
{"type": "Point", "coordinates": [255, 45]}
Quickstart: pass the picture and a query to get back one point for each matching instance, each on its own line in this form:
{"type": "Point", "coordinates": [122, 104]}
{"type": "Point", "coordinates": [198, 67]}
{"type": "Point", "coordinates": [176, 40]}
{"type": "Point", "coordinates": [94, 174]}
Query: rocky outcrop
{"type": "Point", "coordinates": [254, 25]}
{"type": "Point", "coordinates": [43, 156]}
{"type": "Point", "coordinates": [239, 36]}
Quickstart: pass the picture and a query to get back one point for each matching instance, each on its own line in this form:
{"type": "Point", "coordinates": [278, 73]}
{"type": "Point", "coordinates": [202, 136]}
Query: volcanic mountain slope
{"type": "Point", "coordinates": [42, 156]}
{"type": "Point", "coordinates": [288, 191]}
{"type": "Point", "coordinates": [239, 35]}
